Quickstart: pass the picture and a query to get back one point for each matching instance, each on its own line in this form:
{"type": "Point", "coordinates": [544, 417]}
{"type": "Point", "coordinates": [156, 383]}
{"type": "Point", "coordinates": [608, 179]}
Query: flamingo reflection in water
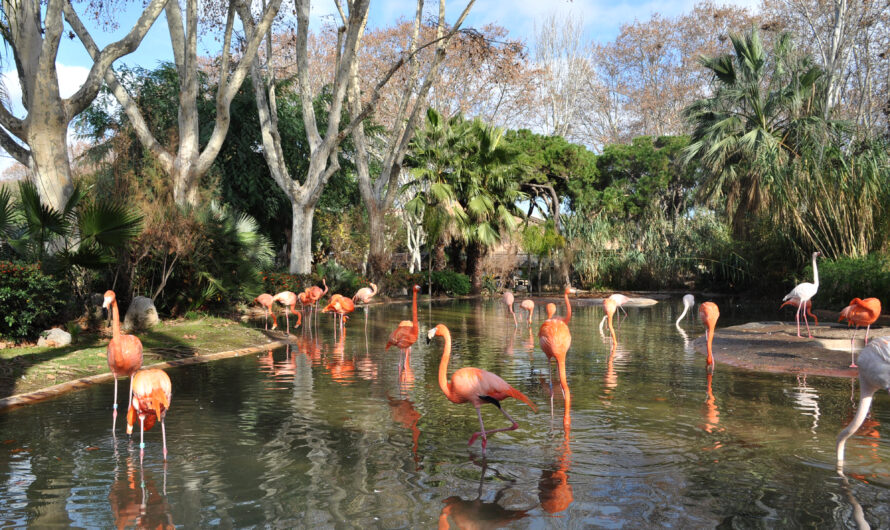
{"type": "Point", "coordinates": [136, 502]}
{"type": "Point", "coordinates": [554, 490]}
{"type": "Point", "coordinates": [342, 370]}
{"type": "Point", "coordinates": [709, 412]}
{"type": "Point", "coordinates": [404, 413]}
{"type": "Point", "coordinates": [476, 513]}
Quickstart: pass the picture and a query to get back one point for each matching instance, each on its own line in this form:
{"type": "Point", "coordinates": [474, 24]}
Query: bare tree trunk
{"type": "Point", "coordinates": [48, 140]}
{"type": "Point", "coordinates": [475, 254]}
{"type": "Point", "coordinates": [379, 259]}
{"type": "Point", "coordinates": [301, 237]}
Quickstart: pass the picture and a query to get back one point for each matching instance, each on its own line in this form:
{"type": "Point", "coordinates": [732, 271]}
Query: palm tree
{"type": "Point", "coordinates": [762, 113]}
{"type": "Point", "coordinates": [473, 184]}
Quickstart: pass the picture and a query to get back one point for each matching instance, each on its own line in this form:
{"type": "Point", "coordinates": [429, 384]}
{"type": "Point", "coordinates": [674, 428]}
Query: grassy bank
{"type": "Point", "coordinates": [28, 369]}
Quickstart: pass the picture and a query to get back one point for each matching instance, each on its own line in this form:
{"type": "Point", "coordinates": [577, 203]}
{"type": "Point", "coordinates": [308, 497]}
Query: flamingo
{"type": "Point", "coordinates": [341, 306]}
{"type": "Point", "coordinates": [124, 351]}
{"type": "Point", "coordinates": [305, 300]}
{"type": "Point", "coordinates": [508, 299]}
{"type": "Point", "coordinates": [555, 339]}
{"type": "Point", "coordinates": [528, 305]}
{"type": "Point", "coordinates": [803, 292]}
{"type": "Point", "coordinates": [610, 306]}
{"type": "Point", "coordinates": [617, 300]}
{"type": "Point", "coordinates": [874, 374]}
{"type": "Point", "coordinates": [709, 313]}
{"type": "Point", "coordinates": [266, 301]}
{"type": "Point", "coordinates": [620, 300]}
{"type": "Point", "coordinates": [860, 313]}
{"type": "Point", "coordinates": [688, 303]}
{"type": "Point", "coordinates": [315, 293]}
{"type": "Point", "coordinates": [289, 301]}
{"type": "Point", "coordinates": [795, 302]}
{"type": "Point", "coordinates": [365, 294]}
{"type": "Point", "coordinates": [472, 385]}
{"type": "Point", "coordinates": [151, 401]}
{"type": "Point", "coordinates": [405, 335]}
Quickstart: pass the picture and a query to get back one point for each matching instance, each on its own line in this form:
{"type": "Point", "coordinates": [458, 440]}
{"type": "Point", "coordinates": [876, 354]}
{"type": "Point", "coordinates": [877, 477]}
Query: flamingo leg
{"type": "Point", "coordinates": [286, 322]}
{"type": "Point", "coordinates": [164, 437]}
{"type": "Point", "coordinates": [484, 433]}
{"type": "Point", "coordinates": [852, 358]}
{"type": "Point", "coordinates": [797, 319]}
{"type": "Point", "coordinates": [805, 321]}
{"type": "Point", "coordinates": [867, 328]}
{"type": "Point", "coordinates": [141, 437]}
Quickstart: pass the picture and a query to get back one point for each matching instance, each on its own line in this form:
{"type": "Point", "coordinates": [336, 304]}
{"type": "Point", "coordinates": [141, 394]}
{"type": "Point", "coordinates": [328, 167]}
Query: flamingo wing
{"type": "Point", "coordinates": [554, 336]}
{"type": "Point", "coordinates": [403, 336]}
{"type": "Point", "coordinates": [477, 386]}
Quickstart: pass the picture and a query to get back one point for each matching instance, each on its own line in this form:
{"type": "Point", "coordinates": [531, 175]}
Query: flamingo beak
{"type": "Point", "coordinates": [430, 334]}
{"type": "Point", "coordinates": [106, 303]}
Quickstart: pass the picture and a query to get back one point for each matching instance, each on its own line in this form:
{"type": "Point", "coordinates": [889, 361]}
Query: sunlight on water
{"type": "Point", "coordinates": [328, 433]}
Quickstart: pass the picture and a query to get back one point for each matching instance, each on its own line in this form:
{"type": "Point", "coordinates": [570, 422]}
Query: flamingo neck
{"type": "Point", "coordinates": [568, 308]}
{"type": "Point", "coordinates": [443, 367]}
{"type": "Point", "coordinates": [563, 382]}
{"type": "Point", "coordinates": [414, 323]}
{"type": "Point", "coordinates": [710, 342]}
{"type": "Point", "coordinates": [612, 330]}
{"type": "Point", "coordinates": [373, 289]}
{"type": "Point", "coordinates": [115, 321]}
{"type": "Point", "coordinates": [815, 273]}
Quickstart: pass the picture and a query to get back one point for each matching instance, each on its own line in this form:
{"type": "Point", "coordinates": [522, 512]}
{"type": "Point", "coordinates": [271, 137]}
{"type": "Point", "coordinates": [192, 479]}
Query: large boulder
{"type": "Point", "coordinates": [141, 314]}
{"type": "Point", "coordinates": [53, 338]}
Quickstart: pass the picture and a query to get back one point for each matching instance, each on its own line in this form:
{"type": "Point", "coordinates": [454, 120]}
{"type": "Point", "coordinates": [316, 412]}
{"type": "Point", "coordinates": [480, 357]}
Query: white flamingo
{"type": "Point", "coordinates": [874, 374]}
{"type": "Point", "coordinates": [688, 303]}
{"type": "Point", "coordinates": [803, 292]}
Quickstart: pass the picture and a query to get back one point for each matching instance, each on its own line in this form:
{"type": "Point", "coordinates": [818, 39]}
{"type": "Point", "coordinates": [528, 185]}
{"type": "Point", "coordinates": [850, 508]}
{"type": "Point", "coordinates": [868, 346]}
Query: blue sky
{"type": "Point", "coordinates": [602, 21]}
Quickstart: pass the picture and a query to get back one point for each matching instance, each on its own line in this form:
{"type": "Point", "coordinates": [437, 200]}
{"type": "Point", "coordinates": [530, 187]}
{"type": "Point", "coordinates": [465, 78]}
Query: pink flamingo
{"type": "Point", "coordinates": [124, 351]}
{"type": "Point", "coordinates": [556, 339]}
{"type": "Point", "coordinates": [709, 313]}
{"type": "Point", "coordinates": [289, 301]}
{"type": "Point", "coordinates": [266, 301]}
{"type": "Point", "coordinates": [528, 305]}
{"type": "Point", "coordinates": [405, 334]}
{"type": "Point", "coordinates": [508, 299]}
{"type": "Point", "coordinates": [803, 292]}
{"type": "Point", "coordinates": [151, 400]}
{"type": "Point", "coordinates": [874, 375]}
{"type": "Point", "coordinates": [860, 313]}
{"type": "Point", "coordinates": [472, 385]}
{"type": "Point", "coordinates": [365, 294]}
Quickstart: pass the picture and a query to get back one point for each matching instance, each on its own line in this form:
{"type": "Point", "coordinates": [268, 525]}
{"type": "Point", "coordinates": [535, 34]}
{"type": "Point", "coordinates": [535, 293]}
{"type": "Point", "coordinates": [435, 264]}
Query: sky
{"type": "Point", "coordinates": [602, 21]}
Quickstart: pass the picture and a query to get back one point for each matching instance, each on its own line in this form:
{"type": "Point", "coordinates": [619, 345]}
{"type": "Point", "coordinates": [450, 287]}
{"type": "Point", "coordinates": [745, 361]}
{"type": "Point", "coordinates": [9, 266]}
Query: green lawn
{"type": "Point", "coordinates": [28, 369]}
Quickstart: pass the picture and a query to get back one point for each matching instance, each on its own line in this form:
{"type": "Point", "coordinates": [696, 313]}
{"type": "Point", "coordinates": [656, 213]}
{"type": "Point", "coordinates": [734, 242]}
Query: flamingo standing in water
{"type": "Point", "coordinates": [709, 314]}
{"type": "Point", "coordinates": [803, 292]}
{"type": "Point", "coordinates": [340, 306]}
{"type": "Point", "coordinates": [315, 293]}
{"type": "Point", "coordinates": [860, 313]}
{"type": "Point", "coordinates": [619, 300]}
{"type": "Point", "coordinates": [152, 391]}
{"type": "Point", "coordinates": [365, 294]}
{"type": "Point", "coordinates": [616, 300]}
{"type": "Point", "coordinates": [874, 375]}
{"type": "Point", "coordinates": [124, 351]}
{"type": "Point", "coordinates": [555, 339]}
{"type": "Point", "coordinates": [289, 301]}
{"type": "Point", "coordinates": [405, 335]}
{"type": "Point", "coordinates": [508, 299]}
{"type": "Point", "coordinates": [528, 305]}
{"type": "Point", "coordinates": [610, 306]}
{"type": "Point", "coordinates": [266, 301]}
{"type": "Point", "coordinates": [472, 385]}
{"type": "Point", "coordinates": [688, 303]}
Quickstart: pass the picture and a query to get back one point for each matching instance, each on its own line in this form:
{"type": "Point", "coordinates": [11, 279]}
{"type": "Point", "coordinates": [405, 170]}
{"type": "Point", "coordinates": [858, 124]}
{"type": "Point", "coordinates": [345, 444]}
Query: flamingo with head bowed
{"type": "Point", "coordinates": [405, 335]}
{"type": "Point", "coordinates": [709, 313]}
{"type": "Point", "coordinates": [528, 305]}
{"type": "Point", "coordinates": [365, 294]}
{"type": "Point", "coordinates": [860, 313]}
{"type": "Point", "coordinates": [472, 385]}
{"type": "Point", "coordinates": [795, 302]}
{"type": "Point", "coordinates": [616, 301]}
{"type": "Point", "coordinates": [804, 292]}
{"type": "Point", "coordinates": [556, 339]}
{"type": "Point", "coordinates": [266, 301]}
{"type": "Point", "coordinates": [508, 299]}
{"type": "Point", "coordinates": [289, 301]}
{"type": "Point", "coordinates": [340, 306]}
{"type": "Point", "coordinates": [688, 303]}
{"type": "Point", "coordinates": [152, 391]}
{"type": "Point", "coordinates": [610, 306]}
{"type": "Point", "coordinates": [619, 300]}
{"type": "Point", "coordinates": [315, 293]}
{"type": "Point", "coordinates": [874, 375]}
{"type": "Point", "coordinates": [124, 351]}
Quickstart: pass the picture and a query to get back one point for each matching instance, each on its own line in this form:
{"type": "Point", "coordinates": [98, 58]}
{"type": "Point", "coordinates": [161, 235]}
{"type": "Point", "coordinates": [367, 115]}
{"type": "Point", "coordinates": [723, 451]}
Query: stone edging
{"type": "Point", "coordinates": [36, 396]}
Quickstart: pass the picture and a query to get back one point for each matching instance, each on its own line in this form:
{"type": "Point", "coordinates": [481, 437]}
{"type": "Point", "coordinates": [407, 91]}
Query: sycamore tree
{"type": "Point", "coordinates": [32, 31]}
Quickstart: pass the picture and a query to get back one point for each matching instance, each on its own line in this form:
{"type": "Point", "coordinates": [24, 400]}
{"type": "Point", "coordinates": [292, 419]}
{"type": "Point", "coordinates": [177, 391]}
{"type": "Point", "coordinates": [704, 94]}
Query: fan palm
{"type": "Point", "coordinates": [761, 114]}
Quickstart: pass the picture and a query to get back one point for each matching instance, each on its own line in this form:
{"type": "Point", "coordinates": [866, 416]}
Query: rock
{"type": "Point", "coordinates": [93, 309]}
{"type": "Point", "coordinates": [140, 315]}
{"type": "Point", "coordinates": [53, 338]}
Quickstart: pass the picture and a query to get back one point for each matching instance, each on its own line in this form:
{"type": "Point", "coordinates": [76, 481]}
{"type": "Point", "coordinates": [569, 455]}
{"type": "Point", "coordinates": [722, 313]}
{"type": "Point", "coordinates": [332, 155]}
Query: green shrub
{"type": "Point", "coordinates": [339, 279]}
{"type": "Point", "coordinates": [451, 282]}
{"type": "Point", "coordinates": [402, 279]}
{"type": "Point", "coordinates": [844, 279]}
{"type": "Point", "coordinates": [276, 282]}
{"type": "Point", "coordinates": [31, 300]}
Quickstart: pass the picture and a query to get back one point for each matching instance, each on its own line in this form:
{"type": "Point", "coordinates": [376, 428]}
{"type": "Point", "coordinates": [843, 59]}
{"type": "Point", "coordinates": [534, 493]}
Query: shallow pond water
{"type": "Point", "coordinates": [328, 433]}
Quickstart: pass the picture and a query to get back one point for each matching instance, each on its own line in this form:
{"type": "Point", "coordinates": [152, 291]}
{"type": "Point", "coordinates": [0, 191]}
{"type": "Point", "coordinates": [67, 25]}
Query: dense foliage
{"type": "Point", "coordinates": [31, 300]}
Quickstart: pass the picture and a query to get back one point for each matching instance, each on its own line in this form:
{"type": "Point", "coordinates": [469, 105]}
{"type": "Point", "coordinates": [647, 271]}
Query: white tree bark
{"type": "Point", "coordinates": [33, 32]}
{"type": "Point", "coordinates": [188, 163]}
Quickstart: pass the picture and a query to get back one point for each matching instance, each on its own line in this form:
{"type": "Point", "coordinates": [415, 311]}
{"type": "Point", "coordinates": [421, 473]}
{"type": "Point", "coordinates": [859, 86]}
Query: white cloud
{"type": "Point", "coordinates": [70, 79]}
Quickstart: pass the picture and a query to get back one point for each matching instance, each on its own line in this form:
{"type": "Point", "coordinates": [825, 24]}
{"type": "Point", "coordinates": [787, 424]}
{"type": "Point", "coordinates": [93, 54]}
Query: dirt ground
{"type": "Point", "coordinates": [774, 347]}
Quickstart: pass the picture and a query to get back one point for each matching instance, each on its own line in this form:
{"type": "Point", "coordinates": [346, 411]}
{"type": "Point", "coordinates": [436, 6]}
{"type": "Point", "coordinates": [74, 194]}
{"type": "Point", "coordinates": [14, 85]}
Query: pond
{"type": "Point", "coordinates": [328, 433]}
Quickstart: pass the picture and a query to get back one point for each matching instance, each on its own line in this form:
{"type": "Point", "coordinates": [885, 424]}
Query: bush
{"type": "Point", "coordinates": [402, 279]}
{"type": "Point", "coordinates": [339, 279]}
{"type": "Point", "coordinates": [276, 282]}
{"type": "Point", "coordinates": [31, 300]}
{"type": "Point", "coordinates": [451, 282]}
{"type": "Point", "coordinates": [844, 279]}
